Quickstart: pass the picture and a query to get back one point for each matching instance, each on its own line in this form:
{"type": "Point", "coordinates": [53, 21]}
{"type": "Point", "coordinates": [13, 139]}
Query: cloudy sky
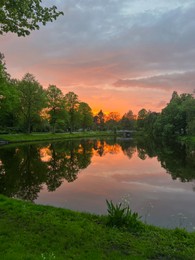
{"type": "Point", "coordinates": [116, 55]}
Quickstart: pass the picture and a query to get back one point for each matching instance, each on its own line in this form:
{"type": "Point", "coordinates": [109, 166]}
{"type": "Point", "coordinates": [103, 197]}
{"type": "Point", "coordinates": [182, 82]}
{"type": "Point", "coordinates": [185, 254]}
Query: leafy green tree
{"type": "Point", "coordinates": [142, 114]}
{"type": "Point", "coordinates": [189, 107]}
{"type": "Point", "coordinates": [128, 120]}
{"type": "Point", "coordinates": [85, 115]}
{"type": "Point", "coordinates": [55, 104]}
{"type": "Point", "coordinates": [21, 17]}
{"type": "Point", "coordinates": [32, 101]}
{"type": "Point", "coordinates": [177, 114]}
{"type": "Point", "coordinates": [8, 96]}
{"type": "Point", "coordinates": [72, 104]}
{"type": "Point", "coordinates": [150, 122]}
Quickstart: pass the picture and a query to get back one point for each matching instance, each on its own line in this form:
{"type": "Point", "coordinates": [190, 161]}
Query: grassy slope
{"type": "Point", "coordinates": [188, 139]}
{"type": "Point", "coordinates": [29, 231]}
{"type": "Point", "coordinates": [49, 136]}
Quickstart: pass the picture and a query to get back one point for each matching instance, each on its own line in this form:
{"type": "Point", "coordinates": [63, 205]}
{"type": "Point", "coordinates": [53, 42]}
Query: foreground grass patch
{"type": "Point", "coordinates": [29, 231]}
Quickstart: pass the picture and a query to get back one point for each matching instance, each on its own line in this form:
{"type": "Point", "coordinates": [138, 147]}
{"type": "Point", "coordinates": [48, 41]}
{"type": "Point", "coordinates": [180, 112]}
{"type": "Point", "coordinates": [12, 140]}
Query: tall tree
{"type": "Point", "coordinates": [142, 114]}
{"type": "Point", "coordinates": [99, 120]}
{"type": "Point", "coordinates": [32, 100]}
{"type": "Point", "coordinates": [55, 104]}
{"type": "Point", "coordinates": [128, 120]}
{"type": "Point", "coordinates": [112, 120]}
{"type": "Point", "coordinates": [72, 104]}
{"type": "Point", "coordinates": [21, 17]}
{"type": "Point", "coordinates": [8, 96]}
{"type": "Point", "coordinates": [85, 115]}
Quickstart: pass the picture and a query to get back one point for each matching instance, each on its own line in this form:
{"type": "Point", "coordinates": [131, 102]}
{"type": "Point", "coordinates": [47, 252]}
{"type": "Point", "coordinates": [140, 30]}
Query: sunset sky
{"type": "Point", "coordinates": [116, 55]}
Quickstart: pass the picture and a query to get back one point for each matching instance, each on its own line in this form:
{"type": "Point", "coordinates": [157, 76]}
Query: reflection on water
{"type": "Point", "coordinates": [156, 179]}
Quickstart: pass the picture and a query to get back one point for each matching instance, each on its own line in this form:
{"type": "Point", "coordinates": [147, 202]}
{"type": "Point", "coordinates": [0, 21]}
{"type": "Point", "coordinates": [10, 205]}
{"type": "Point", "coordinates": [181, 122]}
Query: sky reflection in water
{"type": "Point", "coordinates": [145, 184]}
{"type": "Point", "coordinates": [156, 179]}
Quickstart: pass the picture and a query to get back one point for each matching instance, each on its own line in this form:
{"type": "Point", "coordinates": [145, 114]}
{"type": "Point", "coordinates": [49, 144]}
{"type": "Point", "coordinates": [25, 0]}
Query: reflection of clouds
{"type": "Point", "coordinates": [156, 188]}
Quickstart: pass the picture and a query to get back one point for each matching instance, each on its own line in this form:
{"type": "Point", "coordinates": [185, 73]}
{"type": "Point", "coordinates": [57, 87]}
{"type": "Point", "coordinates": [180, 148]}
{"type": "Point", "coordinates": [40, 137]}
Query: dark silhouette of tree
{"type": "Point", "coordinates": [99, 120]}
{"type": "Point", "coordinates": [128, 120]}
{"type": "Point", "coordinates": [22, 17]}
{"type": "Point", "coordinates": [72, 104]}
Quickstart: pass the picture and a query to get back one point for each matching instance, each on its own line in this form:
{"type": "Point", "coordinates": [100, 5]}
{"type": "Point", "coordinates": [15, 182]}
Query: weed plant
{"type": "Point", "coordinates": [122, 216]}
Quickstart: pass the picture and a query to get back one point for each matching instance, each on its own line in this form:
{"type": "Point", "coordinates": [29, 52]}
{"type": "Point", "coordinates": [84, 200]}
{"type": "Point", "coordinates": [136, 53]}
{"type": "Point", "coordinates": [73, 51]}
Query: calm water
{"type": "Point", "coordinates": [157, 180]}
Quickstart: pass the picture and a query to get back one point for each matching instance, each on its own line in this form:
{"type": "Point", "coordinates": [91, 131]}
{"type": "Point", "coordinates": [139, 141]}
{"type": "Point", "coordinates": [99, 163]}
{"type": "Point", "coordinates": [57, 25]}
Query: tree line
{"type": "Point", "coordinates": [177, 118]}
{"type": "Point", "coordinates": [25, 106]}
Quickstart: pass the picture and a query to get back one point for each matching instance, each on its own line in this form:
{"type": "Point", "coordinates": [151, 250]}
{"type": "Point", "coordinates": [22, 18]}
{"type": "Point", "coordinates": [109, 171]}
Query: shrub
{"type": "Point", "coordinates": [122, 216]}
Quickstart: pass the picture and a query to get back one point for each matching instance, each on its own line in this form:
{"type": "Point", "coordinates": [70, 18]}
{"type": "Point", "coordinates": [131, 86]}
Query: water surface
{"type": "Point", "coordinates": [155, 179]}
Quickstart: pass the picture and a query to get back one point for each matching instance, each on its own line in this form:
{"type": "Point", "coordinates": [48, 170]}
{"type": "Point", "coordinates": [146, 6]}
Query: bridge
{"type": "Point", "coordinates": [125, 133]}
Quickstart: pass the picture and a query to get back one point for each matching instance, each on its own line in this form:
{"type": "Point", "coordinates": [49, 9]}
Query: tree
{"type": "Point", "coordinates": [142, 114]}
{"type": "Point", "coordinates": [8, 96]}
{"type": "Point", "coordinates": [72, 103]}
{"type": "Point", "coordinates": [128, 120]}
{"type": "Point", "coordinates": [177, 118]}
{"type": "Point", "coordinates": [21, 17]}
{"type": "Point", "coordinates": [55, 104]}
{"type": "Point", "coordinates": [99, 120]}
{"type": "Point", "coordinates": [85, 115]}
{"type": "Point", "coordinates": [112, 120]}
{"type": "Point", "coordinates": [176, 112]}
{"type": "Point", "coordinates": [32, 100]}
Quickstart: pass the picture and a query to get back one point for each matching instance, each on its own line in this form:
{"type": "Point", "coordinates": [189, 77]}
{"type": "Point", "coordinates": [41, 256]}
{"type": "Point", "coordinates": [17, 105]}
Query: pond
{"type": "Point", "coordinates": [156, 180]}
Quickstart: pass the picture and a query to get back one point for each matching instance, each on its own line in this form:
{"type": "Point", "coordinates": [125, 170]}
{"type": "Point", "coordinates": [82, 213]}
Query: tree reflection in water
{"type": "Point", "coordinates": [26, 168]}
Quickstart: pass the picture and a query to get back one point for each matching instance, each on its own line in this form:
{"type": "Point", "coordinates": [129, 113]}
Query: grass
{"type": "Point", "coordinates": [188, 139]}
{"type": "Point", "coordinates": [29, 231]}
{"type": "Point", "coordinates": [14, 138]}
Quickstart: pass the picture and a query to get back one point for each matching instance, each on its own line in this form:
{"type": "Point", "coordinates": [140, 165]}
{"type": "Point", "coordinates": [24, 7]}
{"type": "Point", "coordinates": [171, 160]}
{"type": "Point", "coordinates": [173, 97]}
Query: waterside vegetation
{"type": "Point", "coordinates": [15, 138]}
{"type": "Point", "coordinates": [29, 231]}
{"type": "Point", "coordinates": [26, 107]}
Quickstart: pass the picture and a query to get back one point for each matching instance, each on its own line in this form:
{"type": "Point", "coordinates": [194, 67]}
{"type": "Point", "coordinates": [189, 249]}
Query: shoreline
{"type": "Point", "coordinates": [34, 231]}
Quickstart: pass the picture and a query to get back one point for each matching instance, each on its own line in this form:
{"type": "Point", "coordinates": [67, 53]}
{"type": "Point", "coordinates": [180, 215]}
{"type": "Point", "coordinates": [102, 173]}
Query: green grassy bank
{"type": "Point", "coordinates": [29, 231]}
{"type": "Point", "coordinates": [188, 139]}
{"type": "Point", "coordinates": [14, 138]}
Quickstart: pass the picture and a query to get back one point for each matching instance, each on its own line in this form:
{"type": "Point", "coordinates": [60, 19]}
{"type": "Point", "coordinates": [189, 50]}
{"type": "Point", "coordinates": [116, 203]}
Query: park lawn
{"type": "Point", "coordinates": [188, 139]}
{"type": "Point", "coordinates": [14, 138]}
{"type": "Point", "coordinates": [29, 231]}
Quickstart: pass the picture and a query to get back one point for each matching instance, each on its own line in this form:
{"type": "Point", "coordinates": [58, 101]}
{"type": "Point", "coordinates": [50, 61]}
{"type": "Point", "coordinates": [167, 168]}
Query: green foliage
{"type": "Point", "coordinates": [142, 115]}
{"type": "Point", "coordinates": [29, 231]}
{"type": "Point", "coordinates": [72, 104]}
{"type": "Point", "coordinates": [177, 118]}
{"type": "Point", "coordinates": [32, 100]}
{"type": "Point", "coordinates": [56, 108]}
{"type": "Point", "coordinates": [122, 216]}
{"type": "Point", "coordinates": [8, 97]}
{"type": "Point", "coordinates": [85, 115]}
{"type": "Point", "coordinates": [128, 121]}
{"type": "Point", "coordinates": [21, 17]}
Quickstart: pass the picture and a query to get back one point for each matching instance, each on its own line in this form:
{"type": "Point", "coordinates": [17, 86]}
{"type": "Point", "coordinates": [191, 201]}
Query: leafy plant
{"type": "Point", "coordinates": [122, 216]}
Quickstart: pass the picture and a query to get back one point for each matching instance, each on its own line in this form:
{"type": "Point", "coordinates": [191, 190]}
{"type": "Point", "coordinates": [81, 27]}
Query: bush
{"type": "Point", "coordinates": [122, 216]}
